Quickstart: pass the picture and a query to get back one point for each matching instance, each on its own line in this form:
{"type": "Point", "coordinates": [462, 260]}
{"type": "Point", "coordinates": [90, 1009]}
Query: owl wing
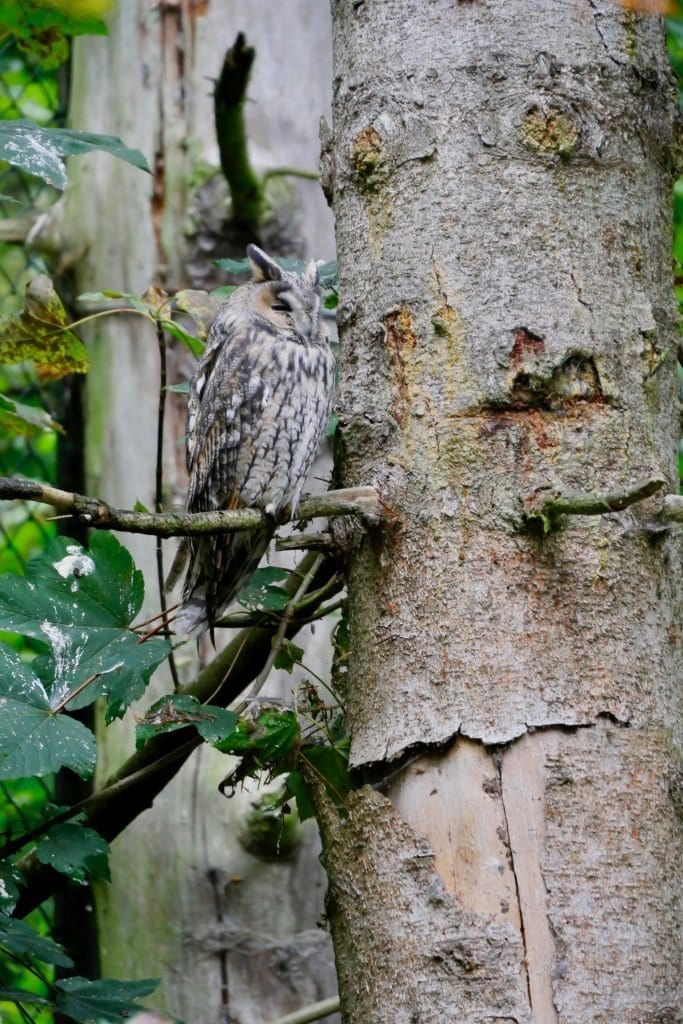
{"type": "Point", "coordinates": [227, 397]}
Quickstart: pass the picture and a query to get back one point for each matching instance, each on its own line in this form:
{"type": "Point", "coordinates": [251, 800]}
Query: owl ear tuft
{"type": "Point", "coordinates": [263, 268]}
{"type": "Point", "coordinates": [311, 273]}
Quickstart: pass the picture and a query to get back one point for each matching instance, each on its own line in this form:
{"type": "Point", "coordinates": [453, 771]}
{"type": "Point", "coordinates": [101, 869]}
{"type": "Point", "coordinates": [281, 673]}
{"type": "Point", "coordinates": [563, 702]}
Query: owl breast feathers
{"type": "Point", "coordinates": [259, 402]}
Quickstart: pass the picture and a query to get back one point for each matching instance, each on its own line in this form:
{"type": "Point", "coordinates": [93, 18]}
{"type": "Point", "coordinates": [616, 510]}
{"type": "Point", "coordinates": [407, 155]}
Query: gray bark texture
{"type": "Point", "coordinates": [501, 178]}
{"type": "Point", "coordinates": [232, 937]}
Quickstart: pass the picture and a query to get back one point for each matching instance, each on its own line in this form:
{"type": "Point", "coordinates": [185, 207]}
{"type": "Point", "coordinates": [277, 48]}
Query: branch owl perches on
{"type": "Point", "coordinates": [259, 402]}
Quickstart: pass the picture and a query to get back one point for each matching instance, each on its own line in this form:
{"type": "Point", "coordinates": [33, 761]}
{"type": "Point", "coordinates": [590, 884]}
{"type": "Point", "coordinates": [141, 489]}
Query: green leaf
{"type": "Point", "coordinates": [40, 150]}
{"type": "Point", "coordinates": [24, 420]}
{"type": "Point", "coordinates": [296, 787]}
{"type": "Point", "coordinates": [182, 388]}
{"type": "Point", "coordinates": [237, 267]}
{"type": "Point", "coordinates": [33, 740]}
{"type": "Point", "coordinates": [195, 346]}
{"type": "Point", "coordinates": [20, 995]}
{"type": "Point", "coordinates": [288, 656]}
{"type": "Point", "coordinates": [23, 940]}
{"type": "Point", "coordinates": [107, 999]}
{"type": "Point", "coordinates": [80, 604]}
{"type": "Point", "coordinates": [40, 333]}
{"type": "Point", "coordinates": [270, 743]}
{"type": "Point", "coordinates": [262, 592]}
{"type": "Point", "coordinates": [10, 880]}
{"type": "Point", "coordinates": [41, 29]}
{"type": "Point", "coordinates": [76, 851]}
{"type": "Point", "coordinates": [140, 507]}
{"type": "Point", "coordinates": [332, 766]}
{"type": "Point", "coordinates": [178, 711]}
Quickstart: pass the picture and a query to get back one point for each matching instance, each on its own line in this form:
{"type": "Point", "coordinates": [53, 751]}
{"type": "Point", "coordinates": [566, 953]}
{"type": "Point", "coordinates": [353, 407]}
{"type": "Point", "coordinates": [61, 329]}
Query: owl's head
{"type": "Point", "coordinates": [291, 302]}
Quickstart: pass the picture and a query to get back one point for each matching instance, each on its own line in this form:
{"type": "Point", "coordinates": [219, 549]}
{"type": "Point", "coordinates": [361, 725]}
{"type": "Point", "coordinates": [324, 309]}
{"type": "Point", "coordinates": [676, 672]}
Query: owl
{"type": "Point", "coordinates": [258, 406]}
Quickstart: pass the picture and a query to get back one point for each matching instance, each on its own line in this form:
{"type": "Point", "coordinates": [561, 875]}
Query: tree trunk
{"type": "Point", "coordinates": [231, 936]}
{"type": "Point", "coordinates": [501, 178]}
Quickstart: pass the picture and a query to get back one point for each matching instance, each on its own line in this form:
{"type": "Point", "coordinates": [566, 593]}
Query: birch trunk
{"type": "Point", "coordinates": [231, 936]}
{"type": "Point", "coordinates": [501, 178]}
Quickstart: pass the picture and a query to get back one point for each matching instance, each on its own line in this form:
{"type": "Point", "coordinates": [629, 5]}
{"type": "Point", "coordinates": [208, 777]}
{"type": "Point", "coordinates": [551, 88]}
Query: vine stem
{"type": "Point", "coordinates": [159, 498]}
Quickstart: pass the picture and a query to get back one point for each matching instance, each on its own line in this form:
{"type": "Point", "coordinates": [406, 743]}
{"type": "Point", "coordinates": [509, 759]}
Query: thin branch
{"type": "Point", "coordinates": [305, 542]}
{"type": "Point", "coordinates": [544, 507]}
{"type": "Point", "coordinates": [285, 621]}
{"type": "Point", "coordinates": [290, 172]}
{"type": "Point", "coordinates": [159, 497]}
{"type": "Point", "coordinates": [314, 1011]}
{"type": "Point", "coordinates": [353, 501]}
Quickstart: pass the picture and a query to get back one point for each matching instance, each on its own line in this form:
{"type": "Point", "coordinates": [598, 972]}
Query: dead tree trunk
{"type": "Point", "coordinates": [501, 178]}
{"type": "Point", "coordinates": [232, 937]}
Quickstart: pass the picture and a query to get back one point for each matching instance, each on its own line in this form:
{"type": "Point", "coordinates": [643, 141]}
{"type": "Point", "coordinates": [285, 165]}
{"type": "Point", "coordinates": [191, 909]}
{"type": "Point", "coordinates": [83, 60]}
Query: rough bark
{"type": "Point", "coordinates": [229, 934]}
{"type": "Point", "coordinates": [501, 178]}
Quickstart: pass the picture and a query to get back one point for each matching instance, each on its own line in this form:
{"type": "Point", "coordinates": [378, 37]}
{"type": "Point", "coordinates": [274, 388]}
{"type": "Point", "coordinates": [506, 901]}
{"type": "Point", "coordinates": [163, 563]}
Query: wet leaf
{"type": "Point", "coordinates": [104, 1000]}
{"type": "Point", "coordinates": [262, 591]}
{"type": "Point", "coordinates": [76, 851]}
{"type": "Point", "coordinates": [10, 880]}
{"type": "Point", "coordinates": [40, 150]}
{"type": "Point", "coordinates": [33, 740]}
{"type": "Point", "coordinates": [23, 940]}
{"type": "Point", "coordinates": [80, 604]}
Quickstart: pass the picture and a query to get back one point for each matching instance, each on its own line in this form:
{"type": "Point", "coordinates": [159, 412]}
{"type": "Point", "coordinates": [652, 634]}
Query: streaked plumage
{"type": "Point", "coordinates": [259, 402]}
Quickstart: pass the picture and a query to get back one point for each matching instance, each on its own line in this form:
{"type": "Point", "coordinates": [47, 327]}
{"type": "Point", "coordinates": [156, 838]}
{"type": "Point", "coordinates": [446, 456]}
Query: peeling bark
{"type": "Point", "coordinates": [501, 178]}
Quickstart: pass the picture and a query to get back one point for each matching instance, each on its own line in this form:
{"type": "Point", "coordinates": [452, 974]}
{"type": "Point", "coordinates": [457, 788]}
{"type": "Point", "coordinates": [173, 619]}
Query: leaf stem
{"type": "Point", "coordinates": [70, 696]}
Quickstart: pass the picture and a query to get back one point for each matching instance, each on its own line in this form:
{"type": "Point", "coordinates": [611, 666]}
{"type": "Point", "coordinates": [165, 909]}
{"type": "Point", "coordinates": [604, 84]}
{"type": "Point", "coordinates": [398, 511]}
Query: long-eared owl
{"type": "Point", "coordinates": [259, 402]}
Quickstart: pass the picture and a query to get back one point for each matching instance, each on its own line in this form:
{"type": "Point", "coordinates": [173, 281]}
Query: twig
{"type": "Point", "coordinates": [285, 622]}
{"type": "Point", "coordinates": [290, 172]}
{"type": "Point", "coordinates": [306, 542]}
{"type": "Point", "coordinates": [545, 506]}
{"type": "Point", "coordinates": [314, 1011]}
{"type": "Point", "coordinates": [159, 498]}
{"type": "Point", "coordinates": [353, 501]}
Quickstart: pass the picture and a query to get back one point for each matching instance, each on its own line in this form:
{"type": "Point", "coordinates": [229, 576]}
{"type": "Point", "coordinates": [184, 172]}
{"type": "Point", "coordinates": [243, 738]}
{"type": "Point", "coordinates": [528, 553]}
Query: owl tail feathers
{"type": "Point", "coordinates": [218, 571]}
{"type": "Point", "coordinates": [192, 619]}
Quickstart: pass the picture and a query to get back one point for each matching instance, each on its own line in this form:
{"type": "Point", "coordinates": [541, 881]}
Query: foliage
{"type": "Point", "coordinates": [39, 151]}
{"type": "Point", "coordinates": [77, 606]}
{"type": "Point", "coordinates": [42, 28]}
{"type": "Point", "coordinates": [40, 333]}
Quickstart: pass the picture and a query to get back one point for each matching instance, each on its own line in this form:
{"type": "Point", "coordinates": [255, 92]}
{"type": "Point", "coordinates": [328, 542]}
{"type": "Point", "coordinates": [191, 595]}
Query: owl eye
{"type": "Point", "coordinates": [281, 305]}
